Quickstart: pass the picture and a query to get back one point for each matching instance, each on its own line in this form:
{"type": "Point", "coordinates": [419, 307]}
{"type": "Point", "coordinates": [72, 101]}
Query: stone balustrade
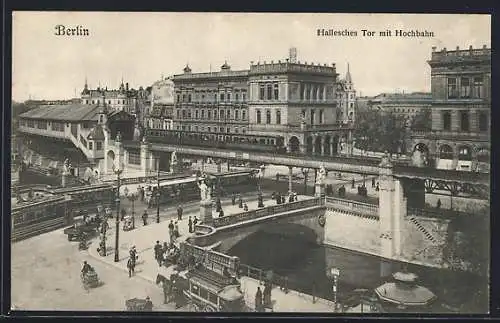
{"type": "Point", "coordinates": [352, 206]}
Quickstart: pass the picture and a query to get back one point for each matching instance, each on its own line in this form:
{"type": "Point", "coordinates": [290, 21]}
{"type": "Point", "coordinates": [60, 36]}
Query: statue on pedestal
{"type": "Point", "coordinates": [205, 190]}
{"type": "Point", "coordinates": [321, 175]}
{"type": "Point", "coordinates": [66, 167]}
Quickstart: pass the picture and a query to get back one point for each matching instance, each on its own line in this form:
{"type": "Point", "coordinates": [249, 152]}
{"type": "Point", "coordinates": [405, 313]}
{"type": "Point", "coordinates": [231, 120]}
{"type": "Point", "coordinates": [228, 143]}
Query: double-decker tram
{"type": "Point", "coordinates": [260, 143]}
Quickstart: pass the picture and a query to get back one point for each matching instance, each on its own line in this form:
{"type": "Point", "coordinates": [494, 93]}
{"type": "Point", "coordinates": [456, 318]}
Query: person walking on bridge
{"type": "Point", "coordinates": [179, 213]}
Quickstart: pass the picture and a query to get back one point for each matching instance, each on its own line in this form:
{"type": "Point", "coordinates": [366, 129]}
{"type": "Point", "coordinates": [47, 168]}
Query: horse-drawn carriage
{"type": "Point", "coordinates": [139, 305]}
{"type": "Point", "coordinates": [80, 228]}
{"type": "Point", "coordinates": [90, 279]}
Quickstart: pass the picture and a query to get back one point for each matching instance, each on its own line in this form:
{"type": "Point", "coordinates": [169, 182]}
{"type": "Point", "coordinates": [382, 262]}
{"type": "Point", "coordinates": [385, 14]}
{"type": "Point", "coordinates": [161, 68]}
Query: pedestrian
{"type": "Point", "coordinates": [438, 204]}
{"type": "Point", "coordinates": [133, 253]}
{"type": "Point", "coordinates": [221, 213]}
{"type": "Point", "coordinates": [179, 213]}
{"type": "Point", "coordinates": [158, 252]}
{"type": "Point", "coordinates": [195, 221]}
{"type": "Point", "coordinates": [176, 230]}
{"type": "Point", "coordinates": [149, 305]}
{"type": "Point", "coordinates": [167, 289]}
{"type": "Point", "coordinates": [258, 300]}
{"type": "Point", "coordinates": [373, 182]}
{"type": "Point", "coordinates": [377, 188]}
{"type": "Point", "coordinates": [233, 199]}
{"type": "Point", "coordinates": [267, 295]}
{"type": "Point", "coordinates": [245, 207]}
{"type": "Point", "coordinates": [240, 201]}
{"type": "Point", "coordinates": [171, 227]}
{"type": "Point", "coordinates": [131, 267]}
{"type": "Point", "coordinates": [190, 225]}
{"type": "Point", "coordinates": [353, 182]}
{"type": "Point", "coordinates": [123, 213]}
{"type": "Point", "coordinates": [145, 217]}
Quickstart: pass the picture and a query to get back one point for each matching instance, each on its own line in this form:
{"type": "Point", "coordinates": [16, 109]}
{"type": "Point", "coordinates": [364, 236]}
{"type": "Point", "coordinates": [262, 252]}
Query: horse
{"type": "Point", "coordinates": [168, 288]}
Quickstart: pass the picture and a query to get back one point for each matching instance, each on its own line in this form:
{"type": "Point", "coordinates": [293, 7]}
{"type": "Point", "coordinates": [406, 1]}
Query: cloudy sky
{"type": "Point", "coordinates": [141, 47]}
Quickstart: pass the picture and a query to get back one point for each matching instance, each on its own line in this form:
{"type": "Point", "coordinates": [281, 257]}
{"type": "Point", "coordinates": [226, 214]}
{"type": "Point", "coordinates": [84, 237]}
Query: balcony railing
{"type": "Point", "coordinates": [353, 206]}
{"type": "Point", "coordinates": [485, 135]}
{"type": "Point", "coordinates": [266, 211]}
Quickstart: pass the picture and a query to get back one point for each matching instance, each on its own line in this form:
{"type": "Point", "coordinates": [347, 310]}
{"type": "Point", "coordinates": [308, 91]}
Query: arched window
{"type": "Point", "coordinates": [196, 114]}
{"type": "Point", "coordinates": [258, 116]}
{"type": "Point", "coordinates": [215, 114]}
{"type": "Point", "coordinates": [278, 117]}
{"type": "Point", "coordinates": [203, 114]}
{"type": "Point", "coordinates": [237, 114]}
{"type": "Point", "coordinates": [268, 116]}
{"type": "Point", "coordinates": [269, 92]}
{"type": "Point", "coordinates": [276, 91]}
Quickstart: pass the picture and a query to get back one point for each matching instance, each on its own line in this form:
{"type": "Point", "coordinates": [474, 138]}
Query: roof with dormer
{"type": "Point", "coordinates": [65, 112]}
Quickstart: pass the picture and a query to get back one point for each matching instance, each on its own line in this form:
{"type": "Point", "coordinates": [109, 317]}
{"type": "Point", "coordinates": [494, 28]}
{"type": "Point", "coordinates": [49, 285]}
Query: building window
{"type": "Point", "coordinates": [464, 121]}
{"type": "Point", "coordinates": [446, 120]}
{"type": "Point", "coordinates": [302, 88]}
{"type": "Point", "coordinates": [228, 114]}
{"type": "Point", "coordinates": [269, 92]}
{"type": "Point", "coordinates": [483, 121]}
{"type": "Point", "coordinates": [196, 128]}
{"type": "Point", "coordinates": [98, 145]}
{"type": "Point", "coordinates": [134, 158]}
{"type": "Point", "coordinates": [237, 114]}
{"type": "Point", "coordinates": [268, 116]}
{"type": "Point", "coordinates": [276, 91]}
{"type": "Point", "coordinates": [203, 97]}
{"type": "Point", "coordinates": [262, 91]}
{"type": "Point", "coordinates": [312, 117]}
{"type": "Point", "coordinates": [208, 129]}
{"type": "Point", "coordinates": [452, 88]}
{"type": "Point", "coordinates": [183, 114]}
{"type": "Point", "coordinates": [209, 114]}
{"type": "Point", "coordinates": [229, 96]}
{"type": "Point", "coordinates": [215, 114]}
{"type": "Point", "coordinates": [178, 114]}
{"type": "Point", "coordinates": [221, 129]}
{"type": "Point", "coordinates": [258, 116]}
{"type": "Point", "coordinates": [243, 115]}
{"type": "Point", "coordinates": [465, 87]}
{"type": "Point", "coordinates": [41, 125]}
{"type": "Point", "coordinates": [203, 114]}
{"type": "Point", "coordinates": [321, 88]}
{"type": "Point", "coordinates": [303, 114]}
{"type": "Point", "coordinates": [178, 98]}
{"type": "Point", "coordinates": [315, 92]}
{"type": "Point", "coordinates": [228, 130]}
{"type": "Point", "coordinates": [321, 116]}
{"type": "Point", "coordinates": [237, 97]}
{"type": "Point", "coordinates": [308, 92]}
{"type": "Point", "coordinates": [278, 117]}
{"type": "Point", "coordinates": [222, 97]}
{"type": "Point", "coordinates": [183, 98]}
{"type": "Point", "coordinates": [189, 98]}
{"type": "Point", "coordinates": [243, 130]}
{"type": "Point", "coordinates": [351, 105]}
{"type": "Point", "coordinates": [243, 97]}
{"type": "Point", "coordinates": [91, 145]}
{"type": "Point", "coordinates": [196, 114]}
{"type": "Point", "coordinates": [478, 85]}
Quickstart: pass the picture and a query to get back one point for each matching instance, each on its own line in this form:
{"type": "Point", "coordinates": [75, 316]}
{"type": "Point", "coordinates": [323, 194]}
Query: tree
{"type": "Point", "coordinates": [422, 120]}
{"type": "Point", "coordinates": [380, 131]}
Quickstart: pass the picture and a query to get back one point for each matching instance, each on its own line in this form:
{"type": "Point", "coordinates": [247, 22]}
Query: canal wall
{"type": "Point", "coordinates": [352, 231]}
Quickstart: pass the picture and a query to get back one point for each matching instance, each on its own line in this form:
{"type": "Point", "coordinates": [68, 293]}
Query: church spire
{"type": "Point", "coordinates": [348, 78]}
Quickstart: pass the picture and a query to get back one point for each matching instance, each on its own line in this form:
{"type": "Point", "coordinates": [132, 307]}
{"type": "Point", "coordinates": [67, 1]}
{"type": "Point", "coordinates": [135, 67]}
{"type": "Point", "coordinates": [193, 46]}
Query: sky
{"type": "Point", "coordinates": [142, 47]}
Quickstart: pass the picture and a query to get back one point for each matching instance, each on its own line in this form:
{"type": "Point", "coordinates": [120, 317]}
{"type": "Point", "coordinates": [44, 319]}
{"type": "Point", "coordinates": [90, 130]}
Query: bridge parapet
{"type": "Point", "coordinates": [353, 206]}
{"type": "Point", "coordinates": [270, 210]}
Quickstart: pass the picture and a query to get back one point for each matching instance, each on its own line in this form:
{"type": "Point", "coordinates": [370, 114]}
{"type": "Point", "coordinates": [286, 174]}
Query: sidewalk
{"type": "Point", "coordinates": [147, 268]}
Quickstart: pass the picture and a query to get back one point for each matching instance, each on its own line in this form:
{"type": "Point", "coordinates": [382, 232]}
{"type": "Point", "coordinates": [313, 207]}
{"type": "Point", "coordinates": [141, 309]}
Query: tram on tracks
{"type": "Point", "coordinates": [258, 143]}
{"type": "Point", "coordinates": [207, 280]}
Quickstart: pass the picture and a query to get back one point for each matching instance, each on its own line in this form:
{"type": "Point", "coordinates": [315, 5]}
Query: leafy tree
{"type": "Point", "coordinates": [468, 244]}
{"type": "Point", "coordinates": [379, 131]}
{"type": "Point", "coordinates": [422, 120]}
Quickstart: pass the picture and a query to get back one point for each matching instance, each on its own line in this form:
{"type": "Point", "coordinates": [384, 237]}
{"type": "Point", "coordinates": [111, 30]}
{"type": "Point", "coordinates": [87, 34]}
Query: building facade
{"type": "Point", "coordinates": [406, 105]}
{"type": "Point", "coordinates": [346, 99]}
{"type": "Point", "coordinates": [286, 103]}
{"type": "Point", "coordinates": [461, 109]}
{"type": "Point", "coordinates": [161, 113]}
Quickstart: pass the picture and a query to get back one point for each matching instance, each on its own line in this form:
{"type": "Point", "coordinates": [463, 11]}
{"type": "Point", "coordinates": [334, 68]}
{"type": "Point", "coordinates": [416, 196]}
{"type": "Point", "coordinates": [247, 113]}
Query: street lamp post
{"type": "Point", "coordinates": [118, 172]}
{"type": "Point", "coordinates": [335, 273]}
{"type": "Point", "coordinates": [132, 198]}
{"type": "Point", "coordinates": [158, 194]}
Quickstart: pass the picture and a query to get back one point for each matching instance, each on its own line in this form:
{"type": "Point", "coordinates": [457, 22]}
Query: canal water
{"type": "Point", "coordinates": [305, 265]}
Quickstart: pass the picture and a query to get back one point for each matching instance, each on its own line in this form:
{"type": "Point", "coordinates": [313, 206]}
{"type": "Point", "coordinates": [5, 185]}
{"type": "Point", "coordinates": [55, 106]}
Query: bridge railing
{"type": "Point", "coordinates": [353, 206]}
{"type": "Point", "coordinates": [270, 210]}
{"type": "Point", "coordinates": [144, 179]}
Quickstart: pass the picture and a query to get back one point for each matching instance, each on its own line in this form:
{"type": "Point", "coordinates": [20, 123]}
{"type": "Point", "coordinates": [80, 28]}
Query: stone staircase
{"type": "Point", "coordinates": [421, 228]}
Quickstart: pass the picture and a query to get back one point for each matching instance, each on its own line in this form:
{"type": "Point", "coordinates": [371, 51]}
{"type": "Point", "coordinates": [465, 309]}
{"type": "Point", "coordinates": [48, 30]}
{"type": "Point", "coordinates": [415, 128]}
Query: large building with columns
{"type": "Point", "coordinates": [461, 108]}
{"type": "Point", "coordinates": [284, 103]}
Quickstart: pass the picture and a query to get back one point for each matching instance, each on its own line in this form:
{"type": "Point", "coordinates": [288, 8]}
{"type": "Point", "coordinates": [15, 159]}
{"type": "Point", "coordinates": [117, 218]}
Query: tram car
{"type": "Point", "coordinates": [271, 144]}
{"type": "Point", "coordinates": [209, 291]}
